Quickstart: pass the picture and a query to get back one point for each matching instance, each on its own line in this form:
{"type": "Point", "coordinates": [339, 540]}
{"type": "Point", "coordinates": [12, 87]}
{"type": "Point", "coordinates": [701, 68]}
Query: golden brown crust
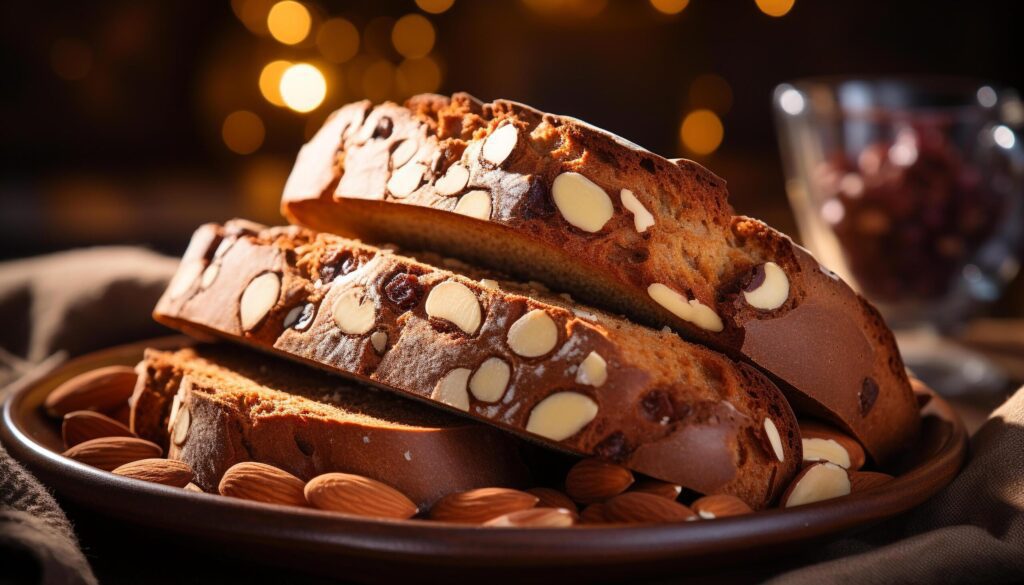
{"type": "Point", "coordinates": [662, 406]}
{"type": "Point", "coordinates": [308, 423]}
{"type": "Point", "coordinates": [695, 249]}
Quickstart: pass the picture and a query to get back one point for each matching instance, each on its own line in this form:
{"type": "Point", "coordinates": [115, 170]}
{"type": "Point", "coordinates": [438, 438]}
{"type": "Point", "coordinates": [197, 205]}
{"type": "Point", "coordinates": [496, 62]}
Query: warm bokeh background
{"type": "Point", "coordinates": [133, 122]}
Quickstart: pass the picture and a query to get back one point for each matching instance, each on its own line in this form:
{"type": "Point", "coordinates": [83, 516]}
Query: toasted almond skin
{"type": "Point", "coordinates": [262, 483]}
{"type": "Point", "coordinates": [862, 481]}
{"type": "Point", "coordinates": [480, 505]}
{"type": "Point", "coordinates": [552, 498]}
{"type": "Point", "coordinates": [109, 453]}
{"type": "Point", "coordinates": [594, 514]}
{"type": "Point", "coordinates": [595, 480]}
{"type": "Point", "coordinates": [103, 389]}
{"type": "Point", "coordinates": [534, 518]}
{"type": "Point", "coordinates": [82, 425]}
{"type": "Point", "coordinates": [643, 507]}
{"type": "Point", "coordinates": [719, 506]}
{"type": "Point", "coordinates": [669, 491]}
{"type": "Point", "coordinates": [165, 471]}
{"type": "Point", "coordinates": [815, 430]}
{"type": "Point", "coordinates": [358, 495]}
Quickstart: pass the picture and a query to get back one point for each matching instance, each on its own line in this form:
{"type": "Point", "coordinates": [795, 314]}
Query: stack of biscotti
{"type": "Point", "coordinates": [215, 406]}
{"type": "Point", "coordinates": [554, 202]}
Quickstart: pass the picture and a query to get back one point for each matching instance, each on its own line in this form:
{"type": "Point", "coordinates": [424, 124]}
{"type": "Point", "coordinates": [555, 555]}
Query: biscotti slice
{"type": "Point", "coordinates": [215, 406]}
{"type": "Point", "coordinates": [525, 360]}
{"type": "Point", "coordinates": [553, 199]}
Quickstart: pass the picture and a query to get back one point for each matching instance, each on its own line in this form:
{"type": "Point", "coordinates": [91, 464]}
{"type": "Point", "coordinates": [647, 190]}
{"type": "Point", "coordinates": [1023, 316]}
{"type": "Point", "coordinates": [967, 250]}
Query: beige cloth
{"type": "Point", "coordinates": [70, 303]}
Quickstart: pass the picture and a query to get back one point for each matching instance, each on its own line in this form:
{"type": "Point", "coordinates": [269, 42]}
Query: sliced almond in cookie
{"type": "Point", "coordinates": [406, 179]}
{"type": "Point", "coordinates": [453, 181]}
{"type": "Point", "coordinates": [642, 219]}
{"type": "Point", "coordinates": [354, 313]}
{"type": "Point", "coordinates": [456, 303]}
{"type": "Point", "coordinates": [769, 288]}
{"type": "Point", "coordinates": [533, 335]}
{"type": "Point", "coordinates": [358, 495]}
{"type": "Point", "coordinates": [581, 202]}
{"type": "Point", "coordinates": [258, 298]}
{"type": "Point", "coordinates": [774, 439]}
{"type": "Point", "coordinates": [500, 144]}
{"type": "Point", "coordinates": [403, 153]}
{"type": "Point", "coordinates": [452, 389]}
{"type": "Point", "coordinates": [690, 310]}
{"type": "Point", "coordinates": [475, 204]}
{"type": "Point", "coordinates": [593, 370]}
{"type": "Point", "coordinates": [490, 380]}
{"type": "Point", "coordinates": [561, 415]}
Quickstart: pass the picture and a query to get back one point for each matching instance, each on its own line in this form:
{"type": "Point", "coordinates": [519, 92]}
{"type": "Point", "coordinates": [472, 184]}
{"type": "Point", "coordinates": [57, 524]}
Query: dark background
{"type": "Point", "coordinates": [130, 150]}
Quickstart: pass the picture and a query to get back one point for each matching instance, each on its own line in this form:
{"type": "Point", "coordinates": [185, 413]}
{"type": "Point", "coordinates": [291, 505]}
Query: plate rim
{"type": "Point", "coordinates": [430, 542]}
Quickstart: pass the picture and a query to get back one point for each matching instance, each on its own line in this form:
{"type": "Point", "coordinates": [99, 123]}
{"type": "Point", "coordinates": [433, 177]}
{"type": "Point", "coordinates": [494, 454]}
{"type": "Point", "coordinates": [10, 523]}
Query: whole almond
{"type": "Point", "coordinates": [642, 507]}
{"type": "Point", "coordinates": [358, 495]}
{"type": "Point", "coordinates": [816, 430]}
{"type": "Point", "coordinates": [657, 487]}
{"type": "Point", "coordinates": [534, 518]}
{"type": "Point", "coordinates": [552, 498]}
{"type": "Point", "coordinates": [719, 506]}
{"type": "Point", "coordinates": [595, 480]}
{"type": "Point", "coordinates": [102, 389]}
{"type": "Point", "coordinates": [165, 471]}
{"type": "Point", "coordinates": [593, 514]}
{"type": "Point", "coordinates": [82, 425]}
{"type": "Point", "coordinates": [109, 453]}
{"type": "Point", "coordinates": [480, 505]}
{"type": "Point", "coordinates": [862, 481]}
{"type": "Point", "coordinates": [260, 482]}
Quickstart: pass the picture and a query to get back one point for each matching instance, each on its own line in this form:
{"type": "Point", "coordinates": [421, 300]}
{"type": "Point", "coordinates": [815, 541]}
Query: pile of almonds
{"type": "Point", "coordinates": [94, 408]}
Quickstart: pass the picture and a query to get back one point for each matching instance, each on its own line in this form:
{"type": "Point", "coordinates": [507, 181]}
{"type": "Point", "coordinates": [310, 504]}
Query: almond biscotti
{"type": "Point", "coordinates": [517, 357]}
{"type": "Point", "coordinates": [553, 199]}
{"type": "Point", "coordinates": [215, 406]}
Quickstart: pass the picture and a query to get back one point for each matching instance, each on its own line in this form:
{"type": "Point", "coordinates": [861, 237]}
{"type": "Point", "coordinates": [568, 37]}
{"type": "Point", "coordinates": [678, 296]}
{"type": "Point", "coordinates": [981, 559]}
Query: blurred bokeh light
{"type": "Point", "coordinates": [303, 87]}
{"type": "Point", "coordinates": [670, 6]}
{"type": "Point", "coordinates": [434, 6]}
{"type": "Point", "coordinates": [413, 36]}
{"type": "Point", "coordinates": [243, 132]}
{"type": "Point", "coordinates": [775, 7]}
{"type": "Point", "coordinates": [289, 22]}
{"type": "Point", "coordinates": [338, 40]}
{"type": "Point", "coordinates": [270, 81]}
{"type": "Point", "coordinates": [701, 132]}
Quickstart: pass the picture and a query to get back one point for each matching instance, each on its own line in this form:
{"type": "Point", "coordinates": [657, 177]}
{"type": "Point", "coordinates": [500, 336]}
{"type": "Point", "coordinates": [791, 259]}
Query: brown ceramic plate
{"type": "Point", "coordinates": [362, 549]}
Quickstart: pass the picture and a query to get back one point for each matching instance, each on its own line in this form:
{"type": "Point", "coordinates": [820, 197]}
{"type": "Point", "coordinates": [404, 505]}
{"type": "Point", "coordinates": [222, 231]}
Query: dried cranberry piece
{"type": "Point", "coordinates": [613, 447]}
{"type": "Point", "coordinates": [657, 407]}
{"type": "Point", "coordinates": [404, 290]}
{"type": "Point", "coordinates": [384, 127]}
{"type": "Point", "coordinates": [868, 394]}
{"type": "Point", "coordinates": [756, 279]}
{"type": "Point", "coordinates": [337, 263]}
